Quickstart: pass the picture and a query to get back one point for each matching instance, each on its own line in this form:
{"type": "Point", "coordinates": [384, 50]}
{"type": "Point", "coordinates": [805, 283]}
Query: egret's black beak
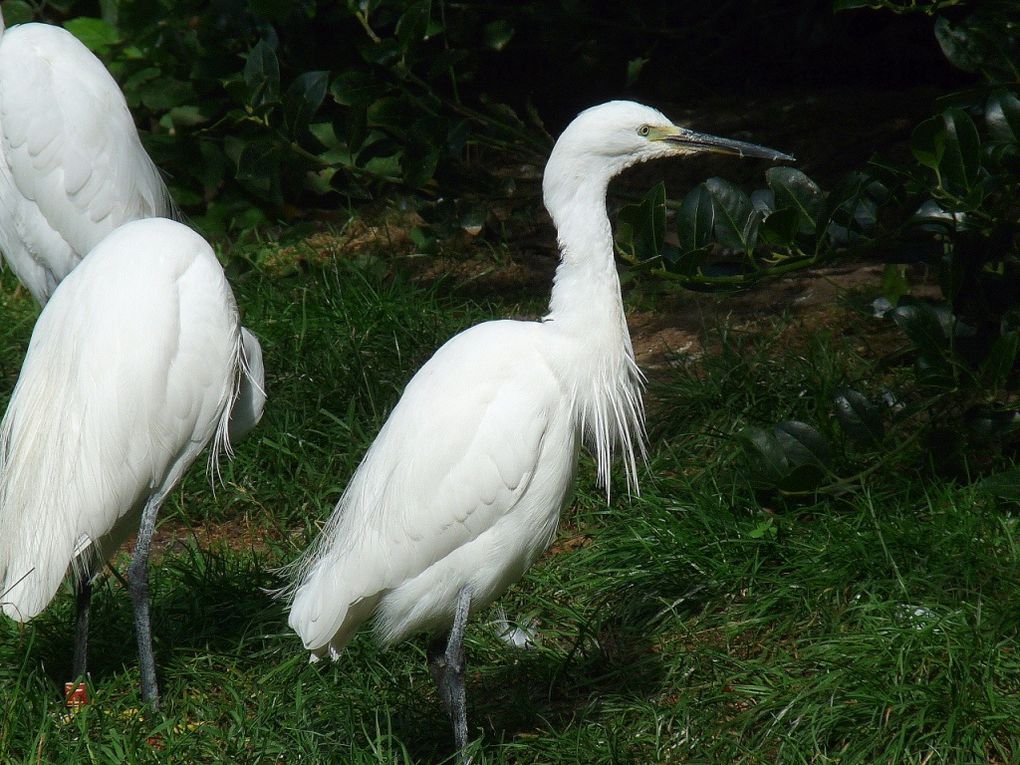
{"type": "Point", "coordinates": [697, 142]}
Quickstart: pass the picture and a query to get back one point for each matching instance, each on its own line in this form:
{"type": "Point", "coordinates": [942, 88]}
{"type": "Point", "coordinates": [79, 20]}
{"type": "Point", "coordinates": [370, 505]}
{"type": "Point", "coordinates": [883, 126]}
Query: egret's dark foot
{"type": "Point", "coordinates": [447, 666]}
{"type": "Point", "coordinates": [83, 601]}
{"type": "Point", "coordinates": [138, 581]}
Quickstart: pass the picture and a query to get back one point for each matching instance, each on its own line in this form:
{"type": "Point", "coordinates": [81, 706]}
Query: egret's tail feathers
{"type": "Point", "coordinates": [321, 612]}
{"type": "Point", "coordinates": [250, 400]}
{"type": "Point", "coordinates": [221, 441]}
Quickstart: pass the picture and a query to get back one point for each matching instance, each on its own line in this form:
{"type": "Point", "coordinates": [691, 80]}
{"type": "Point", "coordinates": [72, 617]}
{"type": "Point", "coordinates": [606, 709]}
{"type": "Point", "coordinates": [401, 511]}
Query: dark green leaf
{"type": "Point", "coordinates": [641, 227]}
{"type": "Point", "coordinates": [262, 75]}
{"type": "Point", "coordinates": [894, 283]}
{"type": "Point", "coordinates": [355, 88]}
{"type": "Point", "coordinates": [1000, 360]}
{"type": "Point", "coordinates": [987, 424]}
{"type": "Point", "coordinates": [1004, 485]}
{"type": "Point", "coordinates": [928, 142]}
{"type": "Point", "coordinates": [165, 93]}
{"type": "Point", "coordinates": [962, 158]}
{"type": "Point", "coordinates": [849, 5]}
{"type": "Point", "coordinates": [781, 227]}
{"type": "Point", "coordinates": [790, 456]}
{"type": "Point", "coordinates": [802, 444]}
{"type": "Point", "coordinates": [768, 462]}
{"type": "Point", "coordinates": [695, 219]}
{"type": "Point", "coordinates": [393, 113]}
{"type": "Point", "coordinates": [794, 190]}
{"type": "Point", "coordinates": [303, 99]}
{"type": "Point", "coordinates": [18, 12]}
{"type": "Point", "coordinates": [95, 34]}
{"type": "Point", "coordinates": [1002, 113]}
{"type": "Point", "coordinates": [413, 23]}
{"type": "Point", "coordinates": [258, 162]}
{"type": "Point", "coordinates": [498, 33]}
{"type": "Point", "coordinates": [736, 220]}
{"type": "Point", "coordinates": [860, 419]}
{"type": "Point", "coordinates": [923, 325]}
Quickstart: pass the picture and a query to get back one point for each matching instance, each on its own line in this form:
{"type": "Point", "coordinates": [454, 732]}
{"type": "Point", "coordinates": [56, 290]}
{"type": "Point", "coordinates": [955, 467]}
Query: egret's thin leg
{"type": "Point", "coordinates": [447, 667]}
{"type": "Point", "coordinates": [83, 601]}
{"type": "Point", "coordinates": [138, 578]}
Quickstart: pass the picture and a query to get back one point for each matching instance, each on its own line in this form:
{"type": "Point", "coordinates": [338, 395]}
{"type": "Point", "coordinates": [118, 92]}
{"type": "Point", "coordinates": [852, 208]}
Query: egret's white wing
{"type": "Point", "coordinates": [128, 374]}
{"type": "Point", "coordinates": [454, 457]}
{"type": "Point", "coordinates": [74, 167]}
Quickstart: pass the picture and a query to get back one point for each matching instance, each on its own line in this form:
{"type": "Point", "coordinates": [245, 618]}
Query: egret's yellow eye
{"type": "Point", "coordinates": [644, 130]}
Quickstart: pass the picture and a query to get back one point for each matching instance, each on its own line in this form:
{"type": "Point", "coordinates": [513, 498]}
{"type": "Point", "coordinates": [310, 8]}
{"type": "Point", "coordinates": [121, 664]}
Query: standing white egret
{"type": "Point", "coordinates": [463, 487]}
{"type": "Point", "coordinates": [72, 168]}
{"type": "Point", "coordinates": [131, 371]}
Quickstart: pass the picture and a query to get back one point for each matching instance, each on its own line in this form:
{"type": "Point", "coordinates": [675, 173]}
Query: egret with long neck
{"type": "Point", "coordinates": [463, 487]}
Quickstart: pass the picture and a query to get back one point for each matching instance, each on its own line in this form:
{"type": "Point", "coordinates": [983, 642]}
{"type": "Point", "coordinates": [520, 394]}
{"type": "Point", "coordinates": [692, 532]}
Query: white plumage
{"type": "Point", "coordinates": [72, 168]}
{"type": "Point", "coordinates": [463, 487]}
{"type": "Point", "coordinates": [130, 373]}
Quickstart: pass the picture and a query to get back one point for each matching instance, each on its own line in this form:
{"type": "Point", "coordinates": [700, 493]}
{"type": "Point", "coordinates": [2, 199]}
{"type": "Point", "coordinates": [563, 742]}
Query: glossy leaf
{"type": "Point", "coordinates": [302, 99]}
{"type": "Point", "coordinates": [928, 142]}
{"type": "Point", "coordinates": [1002, 113]}
{"type": "Point", "coordinates": [641, 227]}
{"type": "Point", "coordinates": [790, 456]}
{"type": "Point", "coordinates": [794, 190]}
{"type": "Point", "coordinates": [736, 220]}
{"type": "Point", "coordinates": [962, 159]}
{"type": "Point", "coordinates": [354, 88]}
{"type": "Point", "coordinates": [781, 227]}
{"type": "Point", "coordinates": [413, 23]}
{"type": "Point", "coordinates": [802, 443]}
{"type": "Point", "coordinates": [925, 327]}
{"type": "Point", "coordinates": [860, 419]}
{"type": "Point", "coordinates": [258, 162]}
{"type": "Point", "coordinates": [695, 219]}
{"type": "Point", "coordinates": [262, 75]}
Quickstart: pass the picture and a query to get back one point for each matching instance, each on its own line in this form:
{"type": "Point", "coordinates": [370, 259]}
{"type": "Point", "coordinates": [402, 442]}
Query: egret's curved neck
{"type": "Point", "coordinates": [586, 289]}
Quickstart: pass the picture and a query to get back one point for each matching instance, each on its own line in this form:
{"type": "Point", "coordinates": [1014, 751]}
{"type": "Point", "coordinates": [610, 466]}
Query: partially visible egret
{"type": "Point", "coordinates": [72, 168]}
{"type": "Point", "coordinates": [131, 372]}
{"type": "Point", "coordinates": [463, 487]}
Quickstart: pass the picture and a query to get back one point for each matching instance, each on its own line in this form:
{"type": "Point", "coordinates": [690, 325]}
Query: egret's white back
{"type": "Point", "coordinates": [130, 373]}
{"type": "Point", "coordinates": [72, 167]}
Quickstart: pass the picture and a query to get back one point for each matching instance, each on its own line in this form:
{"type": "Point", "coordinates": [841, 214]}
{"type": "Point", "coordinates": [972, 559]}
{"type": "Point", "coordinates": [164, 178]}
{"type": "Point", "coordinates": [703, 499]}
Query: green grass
{"type": "Point", "coordinates": [701, 622]}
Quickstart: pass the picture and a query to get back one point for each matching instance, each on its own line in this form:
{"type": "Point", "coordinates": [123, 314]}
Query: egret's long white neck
{"type": "Point", "coordinates": [586, 289]}
{"type": "Point", "coordinates": [587, 306]}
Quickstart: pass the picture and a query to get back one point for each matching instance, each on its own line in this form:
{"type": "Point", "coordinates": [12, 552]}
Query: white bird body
{"type": "Point", "coordinates": [463, 487]}
{"type": "Point", "coordinates": [72, 167]}
{"type": "Point", "coordinates": [131, 371]}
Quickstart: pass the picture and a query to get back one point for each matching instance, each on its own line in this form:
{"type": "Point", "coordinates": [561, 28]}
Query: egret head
{"type": "Point", "coordinates": [606, 139]}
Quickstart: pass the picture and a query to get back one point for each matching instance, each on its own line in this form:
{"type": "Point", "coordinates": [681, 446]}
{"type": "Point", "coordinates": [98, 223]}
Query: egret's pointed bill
{"type": "Point", "coordinates": [693, 141]}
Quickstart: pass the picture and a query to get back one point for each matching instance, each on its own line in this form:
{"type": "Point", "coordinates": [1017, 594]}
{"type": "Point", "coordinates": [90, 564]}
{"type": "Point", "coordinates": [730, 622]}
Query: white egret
{"type": "Point", "coordinates": [72, 168]}
{"type": "Point", "coordinates": [463, 487]}
{"type": "Point", "coordinates": [132, 370]}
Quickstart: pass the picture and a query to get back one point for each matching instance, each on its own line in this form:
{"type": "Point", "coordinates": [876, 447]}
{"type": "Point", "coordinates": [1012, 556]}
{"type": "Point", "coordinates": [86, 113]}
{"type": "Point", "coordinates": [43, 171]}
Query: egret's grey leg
{"type": "Point", "coordinates": [447, 667]}
{"type": "Point", "coordinates": [138, 579]}
{"type": "Point", "coordinates": [81, 625]}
